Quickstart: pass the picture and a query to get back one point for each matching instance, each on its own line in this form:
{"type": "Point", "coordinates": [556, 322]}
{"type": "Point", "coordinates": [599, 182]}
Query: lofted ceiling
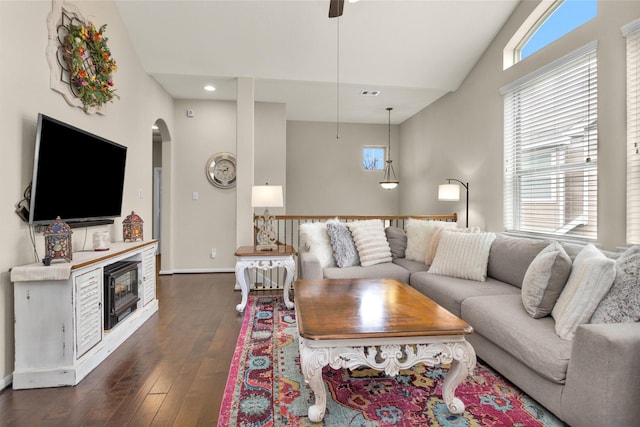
{"type": "Point", "coordinates": [411, 51]}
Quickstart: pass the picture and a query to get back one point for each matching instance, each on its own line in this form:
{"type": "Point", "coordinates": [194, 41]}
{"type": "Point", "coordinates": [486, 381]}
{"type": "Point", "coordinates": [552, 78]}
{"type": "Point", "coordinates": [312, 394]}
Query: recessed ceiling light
{"type": "Point", "coordinates": [209, 88]}
{"type": "Point", "coordinates": [370, 93]}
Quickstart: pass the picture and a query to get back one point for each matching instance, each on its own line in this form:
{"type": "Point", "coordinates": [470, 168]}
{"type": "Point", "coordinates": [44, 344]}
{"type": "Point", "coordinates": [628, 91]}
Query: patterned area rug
{"type": "Point", "coordinates": [265, 386]}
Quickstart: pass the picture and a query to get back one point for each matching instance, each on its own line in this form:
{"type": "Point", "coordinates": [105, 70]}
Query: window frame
{"type": "Point", "coordinates": [570, 142]}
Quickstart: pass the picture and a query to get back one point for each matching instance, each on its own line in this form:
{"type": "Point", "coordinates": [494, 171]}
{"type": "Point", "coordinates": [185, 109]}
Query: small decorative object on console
{"type": "Point", "coordinates": [57, 241]}
{"type": "Point", "coordinates": [132, 228]}
{"type": "Point", "coordinates": [101, 241]}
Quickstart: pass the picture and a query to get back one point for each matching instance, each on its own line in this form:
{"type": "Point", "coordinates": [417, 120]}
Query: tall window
{"type": "Point", "coordinates": [632, 33]}
{"type": "Point", "coordinates": [551, 149]}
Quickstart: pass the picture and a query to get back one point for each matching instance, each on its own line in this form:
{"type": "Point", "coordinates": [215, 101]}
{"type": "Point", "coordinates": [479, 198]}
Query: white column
{"type": "Point", "coordinates": [245, 153]}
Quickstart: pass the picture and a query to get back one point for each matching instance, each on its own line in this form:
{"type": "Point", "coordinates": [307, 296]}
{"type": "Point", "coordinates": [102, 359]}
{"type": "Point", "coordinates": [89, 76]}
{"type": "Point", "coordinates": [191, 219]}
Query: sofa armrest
{"type": "Point", "coordinates": [309, 265]}
{"type": "Point", "coordinates": [604, 371]}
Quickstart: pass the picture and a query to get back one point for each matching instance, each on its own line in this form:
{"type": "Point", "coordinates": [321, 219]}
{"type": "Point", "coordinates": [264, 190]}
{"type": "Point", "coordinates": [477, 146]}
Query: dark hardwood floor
{"type": "Point", "coordinates": [171, 372]}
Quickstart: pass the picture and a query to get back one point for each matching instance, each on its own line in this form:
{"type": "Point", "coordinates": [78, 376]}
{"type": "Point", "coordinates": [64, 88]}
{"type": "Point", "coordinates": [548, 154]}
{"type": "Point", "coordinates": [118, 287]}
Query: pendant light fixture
{"type": "Point", "coordinates": [389, 182]}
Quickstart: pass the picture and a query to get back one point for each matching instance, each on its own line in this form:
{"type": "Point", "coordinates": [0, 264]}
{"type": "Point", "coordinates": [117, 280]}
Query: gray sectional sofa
{"type": "Point", "coordinates": [590, 380]}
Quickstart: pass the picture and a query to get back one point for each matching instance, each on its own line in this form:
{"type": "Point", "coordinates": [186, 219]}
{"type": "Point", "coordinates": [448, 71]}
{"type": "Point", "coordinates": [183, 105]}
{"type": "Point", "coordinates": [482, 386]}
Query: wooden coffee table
{"type": "Point", "coordinates": [383, 324]}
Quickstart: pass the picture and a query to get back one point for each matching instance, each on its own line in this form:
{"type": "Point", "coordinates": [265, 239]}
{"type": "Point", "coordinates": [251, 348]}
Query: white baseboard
{"type": "Point", "coordinates": [197, 270]}
{"type": "Point", "coordinates": [6, 381]}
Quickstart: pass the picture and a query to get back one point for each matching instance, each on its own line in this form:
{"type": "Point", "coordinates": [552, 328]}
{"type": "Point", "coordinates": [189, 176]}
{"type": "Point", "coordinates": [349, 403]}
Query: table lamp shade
{"type": "Point", "coordinates": [267, 196]}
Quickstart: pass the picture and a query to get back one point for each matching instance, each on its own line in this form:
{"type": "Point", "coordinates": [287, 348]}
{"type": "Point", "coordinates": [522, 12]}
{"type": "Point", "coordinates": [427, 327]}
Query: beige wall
{"type": "Point", "coordinates": [210, 221]}
{"type": "Point", "coordinates": [24, 89]}
{"type": "Point", "coordinates": [325, 175]}
{"type": "Point", "coordinates": [461, 135]}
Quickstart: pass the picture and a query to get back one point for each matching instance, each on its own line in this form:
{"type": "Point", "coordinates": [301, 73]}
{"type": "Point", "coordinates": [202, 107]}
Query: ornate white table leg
{"type": "Point", "coordinates": [312, 361]}
{"type": "Point", "coordinates": [289, 272]}
{"type": "Point", "coordinates": [242, 276]}
{"type": "Point", "coordinates": [464, 361]}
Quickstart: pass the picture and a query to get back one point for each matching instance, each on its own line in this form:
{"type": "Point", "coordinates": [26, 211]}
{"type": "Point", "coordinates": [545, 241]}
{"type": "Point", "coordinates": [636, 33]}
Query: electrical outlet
{"type": "Point", "coordinates": [194, 195]}
{"type": "Point", "coordinates": [213, 252]}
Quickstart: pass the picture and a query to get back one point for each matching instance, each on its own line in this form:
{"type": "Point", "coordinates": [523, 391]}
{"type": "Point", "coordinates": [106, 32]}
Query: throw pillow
{"type": "Point", "coordinates": [622, 303]}
{"type": "Point", "coordinates": [345, 253]}
{"type": "Point", "coordinates": [544, 280]}
{"type": "Point", "coordinates": [419, 235]}
{"type": "Point", "coordinates": [463, 255]}
{"type": "Point", "coordinates": [314, 237]}
{"type": "Point", "coordinates": [397, 239]}
{"type": "Point", "coordinates": [434, 237]}
{"type": "Point", "coordinates": [371, 241]}
{"type": "Point", "coordinates": [591, 278]}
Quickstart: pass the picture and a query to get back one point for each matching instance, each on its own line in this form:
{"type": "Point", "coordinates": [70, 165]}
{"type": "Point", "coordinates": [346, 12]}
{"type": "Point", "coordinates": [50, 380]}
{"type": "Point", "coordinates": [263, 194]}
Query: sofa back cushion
{"type": "Point", "coordinates": [510, 257]}
{"type": "Point", "coordinates": [397, 239]}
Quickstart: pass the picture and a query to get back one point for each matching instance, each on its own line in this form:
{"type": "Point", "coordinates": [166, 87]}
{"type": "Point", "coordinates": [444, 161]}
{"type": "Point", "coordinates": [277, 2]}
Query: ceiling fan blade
{"type": "Point", "coordinates": [335, 8]}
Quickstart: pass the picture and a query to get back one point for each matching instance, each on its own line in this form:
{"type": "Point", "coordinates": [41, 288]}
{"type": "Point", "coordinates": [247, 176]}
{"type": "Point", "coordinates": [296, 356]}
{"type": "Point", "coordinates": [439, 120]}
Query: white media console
{"type": "Point", "coordinates": [59, 314]}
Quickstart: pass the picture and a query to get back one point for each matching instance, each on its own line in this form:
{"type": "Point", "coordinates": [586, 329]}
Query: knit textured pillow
{"type": "Point", "coordinates": [463, 255]}
{"type": "Point", "coordinates": [371, 241]}
{"type": "Point", "coordinates": [591, 278]}
{"type": "Point", "coordinates": [345, 252]}
{"type": "Point", "coordinates": [622, 303]}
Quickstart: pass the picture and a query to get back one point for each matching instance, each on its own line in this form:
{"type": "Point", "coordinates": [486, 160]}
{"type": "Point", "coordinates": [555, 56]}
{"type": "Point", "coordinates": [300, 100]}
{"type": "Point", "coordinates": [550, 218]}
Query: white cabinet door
{"type": "Point", "coordinates": [88, 310]}
{"type": "Point", "coordinates": [148, 275]}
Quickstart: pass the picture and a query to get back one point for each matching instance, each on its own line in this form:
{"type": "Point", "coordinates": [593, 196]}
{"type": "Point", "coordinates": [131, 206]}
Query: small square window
{"type": "Point", "coordinates": [373, 158]}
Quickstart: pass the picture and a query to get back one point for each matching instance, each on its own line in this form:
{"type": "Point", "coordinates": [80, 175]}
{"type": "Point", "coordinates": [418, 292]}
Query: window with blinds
{"type": "Point", "coordinates": [632, 33]}
{"type": "Point", "coordinates": [551, 149]}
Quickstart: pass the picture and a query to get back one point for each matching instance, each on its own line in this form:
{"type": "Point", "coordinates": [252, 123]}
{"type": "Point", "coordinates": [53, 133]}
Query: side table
{"type": "Point", "coordinates": [250, 257]}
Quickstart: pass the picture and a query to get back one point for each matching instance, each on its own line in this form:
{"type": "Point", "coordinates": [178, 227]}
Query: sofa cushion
{"type": "Point", "coordinates": [532, 341]}
{"type": "Point", "coordinates": [397, 239]}
{"type": "Point", "coordinates": [463, 255]}
{"type": "Point", "coordinates": [622, 303]}
{"type": "Point", "coordinates": [510, 257]}
{"type": "Point", "coordinates": [410, 265]}
{"type": "Point", "coordinates": [314, 237]}
{"type": "Point", "coordinates": [591, 278]}
{"type": "Point", "coordinates": [384, 270]}
{"type": "Point", "coordinates": [344, 248]}
{"type": "Point", "coordinates": [371, 241]}
{"type": "Point", "coordinates": [419, 236]}
{"type": "Point", "coordinates": [544, 280]}
{"type": "Point", "coordinates": [449, 292]}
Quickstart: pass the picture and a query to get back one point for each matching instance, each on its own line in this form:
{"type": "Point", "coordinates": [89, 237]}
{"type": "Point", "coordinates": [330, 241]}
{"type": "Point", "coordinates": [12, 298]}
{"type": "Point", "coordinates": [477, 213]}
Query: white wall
{"type": "Point", "coordinates": [461, 135]}
{"type": "Point", "coordinates": [24, 85]}
{"type": "Point", "coordinates": [325, 175]}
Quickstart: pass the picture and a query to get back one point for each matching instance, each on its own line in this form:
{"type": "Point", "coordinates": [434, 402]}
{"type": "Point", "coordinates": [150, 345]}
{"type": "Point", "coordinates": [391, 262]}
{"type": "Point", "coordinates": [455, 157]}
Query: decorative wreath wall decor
{"type": "Point", "coordinates": [90, 63]}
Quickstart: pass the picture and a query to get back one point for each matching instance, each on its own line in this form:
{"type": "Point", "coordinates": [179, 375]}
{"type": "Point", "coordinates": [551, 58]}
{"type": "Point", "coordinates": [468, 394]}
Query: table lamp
{"type": "Point", "coordinates": [266, 196]}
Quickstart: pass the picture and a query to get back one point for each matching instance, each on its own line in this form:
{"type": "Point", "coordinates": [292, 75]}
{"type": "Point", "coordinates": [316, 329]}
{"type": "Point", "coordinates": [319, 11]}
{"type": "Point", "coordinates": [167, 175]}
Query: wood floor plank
{"type": "Point", "coordinates": [171, 372]}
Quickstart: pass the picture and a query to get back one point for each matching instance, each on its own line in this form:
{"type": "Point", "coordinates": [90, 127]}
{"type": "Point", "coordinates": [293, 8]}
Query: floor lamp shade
{"type": "Point", "coordinates": [450, 192]}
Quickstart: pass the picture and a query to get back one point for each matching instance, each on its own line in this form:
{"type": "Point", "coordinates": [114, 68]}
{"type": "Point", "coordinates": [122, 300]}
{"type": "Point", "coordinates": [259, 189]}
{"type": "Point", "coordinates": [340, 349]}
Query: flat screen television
{"type": "Point", "coordinates": [77, 175]}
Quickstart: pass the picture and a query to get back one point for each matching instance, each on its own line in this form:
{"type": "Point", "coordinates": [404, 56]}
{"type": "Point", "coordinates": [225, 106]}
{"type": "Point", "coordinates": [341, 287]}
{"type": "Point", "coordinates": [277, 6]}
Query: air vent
{"type": "Point", "coordinates": [370, 93]}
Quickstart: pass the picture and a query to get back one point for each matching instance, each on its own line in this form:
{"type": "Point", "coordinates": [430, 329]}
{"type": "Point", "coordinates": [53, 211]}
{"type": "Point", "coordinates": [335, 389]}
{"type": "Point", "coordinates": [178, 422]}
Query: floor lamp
{"type": "Point", "coordinates": [451, 192]}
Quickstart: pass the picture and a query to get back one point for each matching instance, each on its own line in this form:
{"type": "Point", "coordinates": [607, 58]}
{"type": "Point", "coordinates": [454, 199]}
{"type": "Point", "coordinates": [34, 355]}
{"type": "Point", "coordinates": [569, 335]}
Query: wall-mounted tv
{"type": "Point", "coordinates": [77, 175]}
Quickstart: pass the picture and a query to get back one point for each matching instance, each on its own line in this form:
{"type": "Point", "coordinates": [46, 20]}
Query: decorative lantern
{"type": "Point", "coordinates": [57, 241]}
{"type": "Point", "coordinates": [132, 228]}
